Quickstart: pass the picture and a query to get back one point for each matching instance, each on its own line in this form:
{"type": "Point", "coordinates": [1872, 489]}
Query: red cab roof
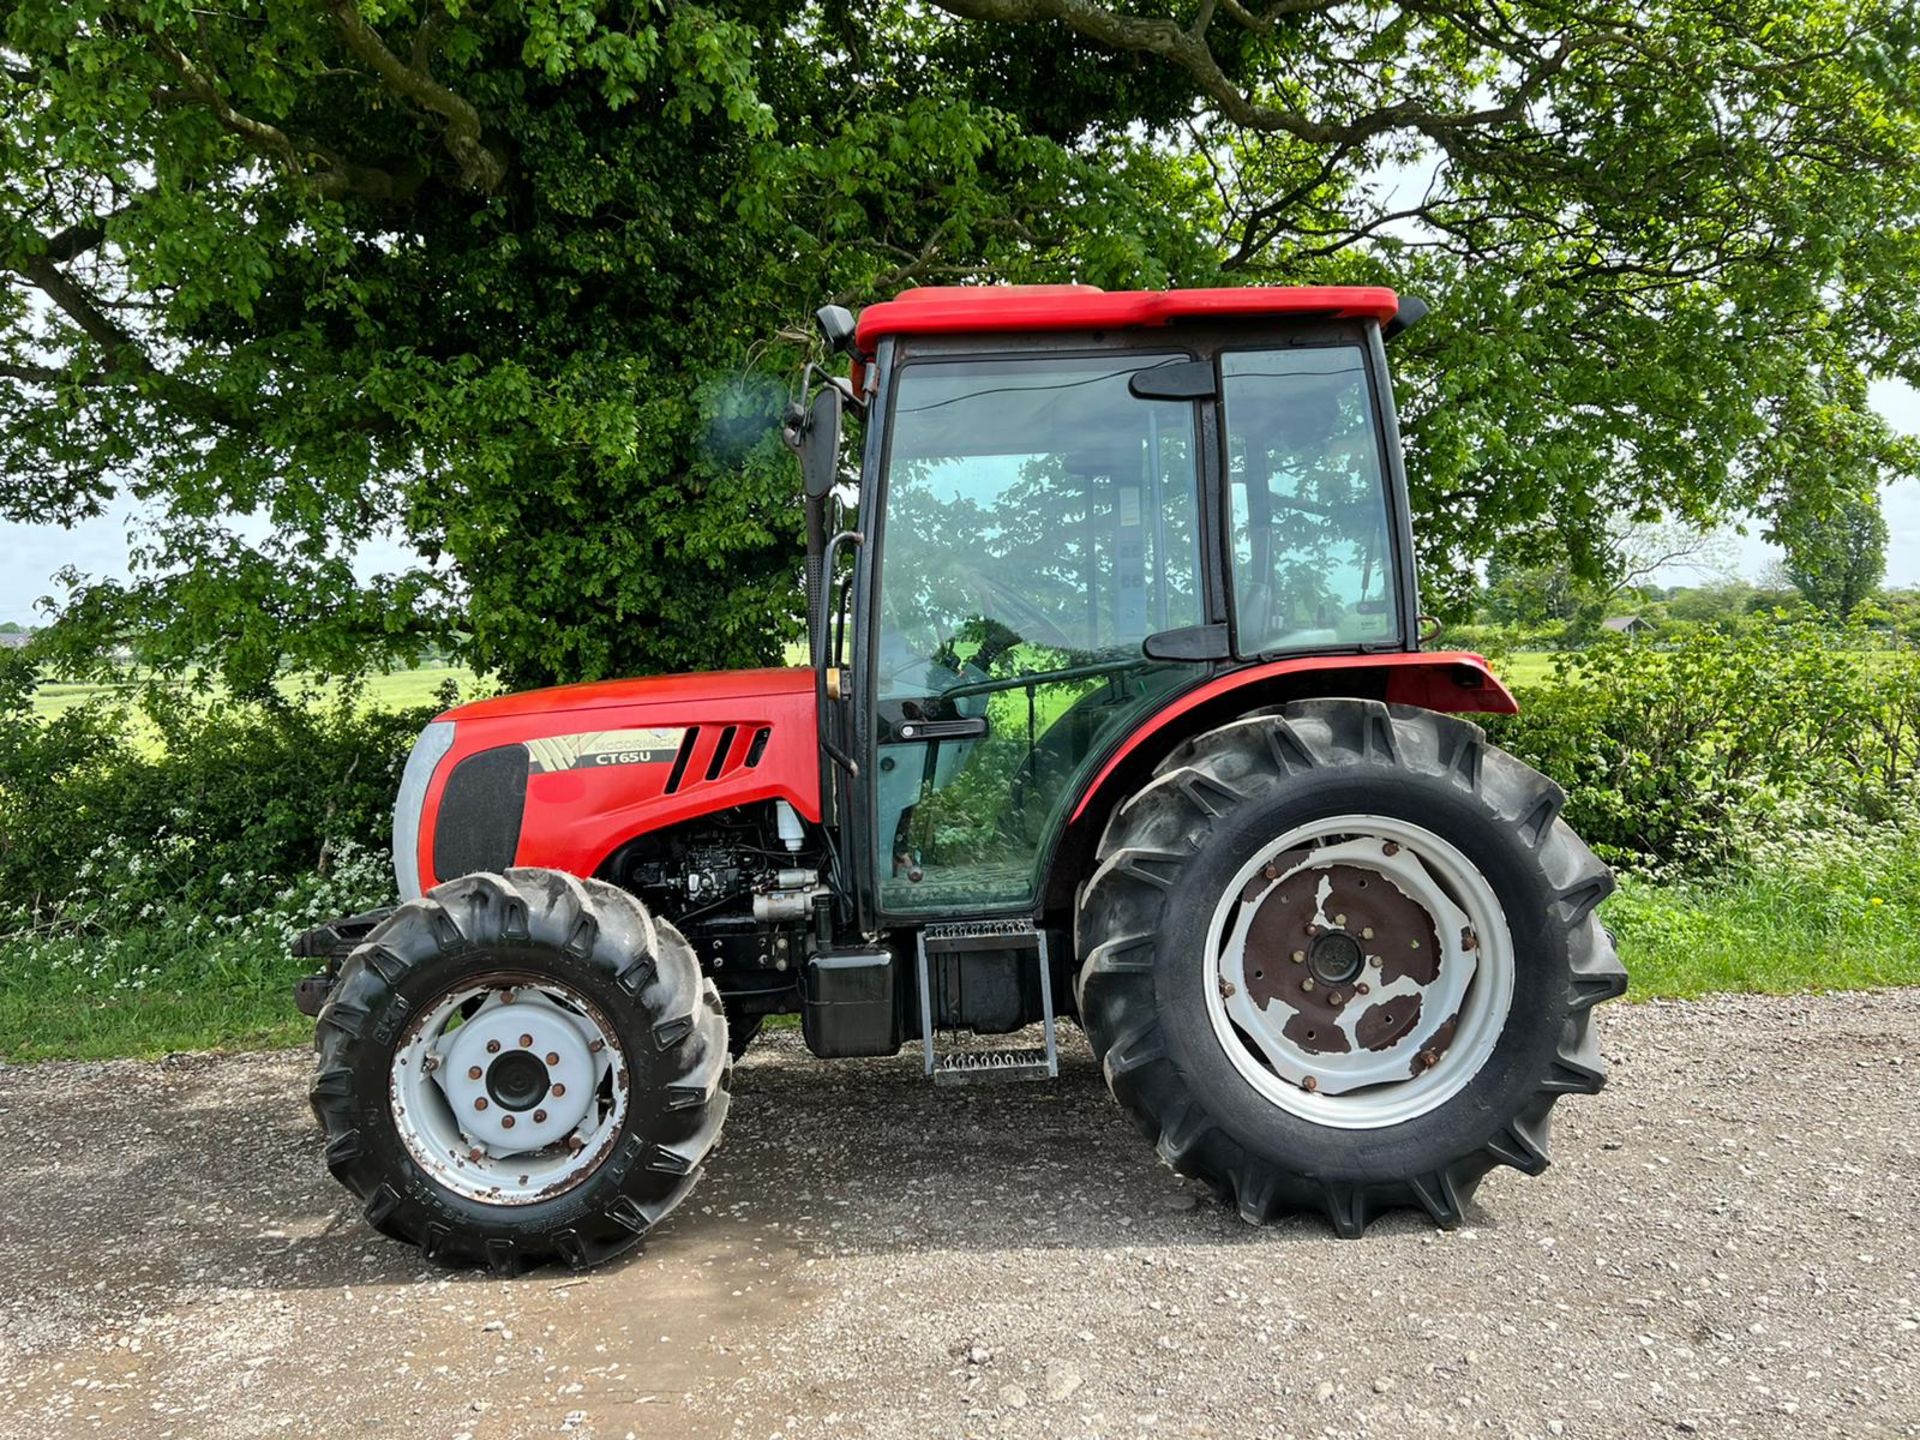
{"type": "Point", "coordinates": [970, 309]}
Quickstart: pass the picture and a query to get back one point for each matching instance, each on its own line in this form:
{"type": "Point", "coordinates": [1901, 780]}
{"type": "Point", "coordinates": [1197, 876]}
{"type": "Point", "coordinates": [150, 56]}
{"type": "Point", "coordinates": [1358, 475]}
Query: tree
{"type": "Point", "coordinates": [1836, 558]}
{"type": "Point", "coordinates": [519, 280]}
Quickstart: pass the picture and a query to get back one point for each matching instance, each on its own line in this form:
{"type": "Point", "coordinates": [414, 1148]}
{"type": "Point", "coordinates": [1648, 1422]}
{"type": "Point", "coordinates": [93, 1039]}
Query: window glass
{"type": "Point", "coordinates": [1312, 553]}
{"type": "Point", "coordinates": [1039, 525]}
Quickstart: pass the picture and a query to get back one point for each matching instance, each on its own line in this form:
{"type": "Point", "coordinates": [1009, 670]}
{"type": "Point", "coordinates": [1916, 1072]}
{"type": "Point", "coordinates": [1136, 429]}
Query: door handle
{"type": "Point", "coordinates": [967, 727]}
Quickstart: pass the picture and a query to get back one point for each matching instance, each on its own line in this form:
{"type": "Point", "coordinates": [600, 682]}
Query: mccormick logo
{"type": "Point", "coordinates": [603, 747]}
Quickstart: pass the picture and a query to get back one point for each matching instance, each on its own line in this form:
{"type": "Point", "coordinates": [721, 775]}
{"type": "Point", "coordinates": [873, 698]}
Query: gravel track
{"type": "Point", "coordinates": [1725, 1247]}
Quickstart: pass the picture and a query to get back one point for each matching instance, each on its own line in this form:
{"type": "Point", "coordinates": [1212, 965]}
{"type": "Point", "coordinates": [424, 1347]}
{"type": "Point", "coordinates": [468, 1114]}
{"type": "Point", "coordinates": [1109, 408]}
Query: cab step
{"type": "Point", "coordinates": [989, 1067]}
{"type": "Point", "coordinates": [974, 1065]}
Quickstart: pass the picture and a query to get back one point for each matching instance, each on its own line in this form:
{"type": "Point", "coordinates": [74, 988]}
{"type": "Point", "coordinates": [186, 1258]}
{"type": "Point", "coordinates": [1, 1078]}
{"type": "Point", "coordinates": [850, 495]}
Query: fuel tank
{"type": "Point", "coordinates": [562, 777]}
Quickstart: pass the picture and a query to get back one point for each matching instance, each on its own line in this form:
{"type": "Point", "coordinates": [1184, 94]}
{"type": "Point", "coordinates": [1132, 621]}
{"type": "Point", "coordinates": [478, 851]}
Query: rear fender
{"type": "Point", "coordinates": [1451, 681]}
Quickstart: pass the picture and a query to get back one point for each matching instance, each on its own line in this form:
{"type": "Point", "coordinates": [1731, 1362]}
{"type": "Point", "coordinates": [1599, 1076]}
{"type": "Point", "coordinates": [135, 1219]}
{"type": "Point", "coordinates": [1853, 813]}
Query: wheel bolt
{"type": "Point", "coordinates": [539, 1117]}
{"type": "Point", "coordinates": [1309, 1084]}
{"type": "Point", "coordinates": [474, 1072]}
{"type": "Point", "coordinates": [493, 1047]}
{"type": "Point", "coordinates": [594, 1047]}
{"type": "Point", "coordinates": [1299, 956]}
{"type": "Point", "coordinates": [1391, 847]}
{"type": "Point", "coordinates": [553, 1057]}
{"type": "Point", "coordinates": [506, 1122]}
{"type": "Point", "coordinates": [1340, 920]}
{"type": "Point", "coordinates": [1307, 983]}
{"type": "Point", "coordinates": [559, 1089]}
{"type": "Point", "coordinates": [1337, 999]}
{"type": "Point", "coordinates": [1374, 961]}
{"type": "Point", "coordinates": [526, 1042]}
{"type": "Point", "coordinates": [476, 1154]}
{"type": "Point", "coordinates": [575, 1144]}
{"type": "Point", "coordinates": [481, 1103]}
{"type": "Point", "coordinates": [1366, 932]}
{"type": "Point", "coordinates": [1364, 988]}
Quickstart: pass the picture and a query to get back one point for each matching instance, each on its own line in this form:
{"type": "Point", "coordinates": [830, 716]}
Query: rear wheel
{"type": "Point", "coordinates": [1342, 958]}
{"type": "Point", "coordinates": [521, 1067]}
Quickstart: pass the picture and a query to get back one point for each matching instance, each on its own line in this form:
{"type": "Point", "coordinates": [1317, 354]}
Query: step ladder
{"type": "Point", "coordinates": [983, 1066]}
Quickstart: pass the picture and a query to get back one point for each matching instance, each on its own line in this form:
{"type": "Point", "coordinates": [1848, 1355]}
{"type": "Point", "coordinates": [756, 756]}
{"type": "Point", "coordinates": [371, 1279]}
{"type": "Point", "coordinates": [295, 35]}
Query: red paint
{"type": "Point", "coordinates": [984, 309]}
{"type": "Point", "coordinates": [1429, 680]}
{"type": "Point", "coordinates": [575, 818]}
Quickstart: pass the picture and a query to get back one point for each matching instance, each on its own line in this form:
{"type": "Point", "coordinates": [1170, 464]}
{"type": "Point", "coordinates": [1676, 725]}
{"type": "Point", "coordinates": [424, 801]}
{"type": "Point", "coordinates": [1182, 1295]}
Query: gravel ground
{"type": "Point", "coordinates": [1724, 1248]}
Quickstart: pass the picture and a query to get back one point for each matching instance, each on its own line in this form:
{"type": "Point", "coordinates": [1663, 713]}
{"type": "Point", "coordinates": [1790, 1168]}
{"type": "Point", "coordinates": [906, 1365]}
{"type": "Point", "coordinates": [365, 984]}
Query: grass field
{"type": "Point", "coordinates": [398, 690]}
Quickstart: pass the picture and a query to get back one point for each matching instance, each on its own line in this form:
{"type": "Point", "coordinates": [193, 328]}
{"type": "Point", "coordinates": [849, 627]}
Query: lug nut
{"type": "Point", "coordinates": [1337, 999]}
{"type": "Point", "coordinates": [594, 1047]}
{"type": "Point", "coordinates": [1309, 1084]}
{"type": "Point", "coordinates": [1366, 932]}
{"type": "Point", "coordinates": [1340, 920]}
{"type": "Point", "coordinates": [1374, 961]}
{"type": "Point", "coordinates": [1364, 988]}
{"type": "Point", "coordinates": [1391, 847]}
{"type": "Point", "coordinates": [559, 1089]}
{"type": "Point", "coordinates": [493, 1047]}
{"type": "Point", "coordinates": [526, 1042]}
{"type": "Point", "coordinates": [481, 1103]}
{"type": "Point", "coordinates": [575, 1144]}
{"type": "Point", "coordinates": [1307, 983]}
{"type": "Point", "coordinates": [506, 997]}
{"type": "Point", "coordinates": [429, 1065]}
{"type": "Point", "coordinates": [553, 1057]}
{"type": "Point", "coordinates": [474, 1072]}
{"type": "Point", "coordinates": [1299, 956]}
{"type": "Point", "coordinates": [539, 1117]}
{"type": "Point", "coordinates": [506, 1122]}
{"type": "Point", "coordinates": [476, 1154]}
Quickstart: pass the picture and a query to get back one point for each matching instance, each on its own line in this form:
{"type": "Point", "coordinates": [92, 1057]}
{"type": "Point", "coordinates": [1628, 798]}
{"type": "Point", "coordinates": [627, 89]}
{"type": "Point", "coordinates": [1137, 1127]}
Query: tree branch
{"type": "Point", "coordinates": [1188, 49]}
{"type": "Point", "coordinates": [481, 168]}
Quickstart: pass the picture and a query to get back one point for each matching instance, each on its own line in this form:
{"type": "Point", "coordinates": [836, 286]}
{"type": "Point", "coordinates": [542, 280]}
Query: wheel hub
{"type": "Point", "coordinates": [518, 1081]}
{"type": "Point", "coordinates": [1346, 959]}
{"type": "Point", "coordinates": [506, 1093]}
{"type": "Point", "coordinates": [1335, 958]}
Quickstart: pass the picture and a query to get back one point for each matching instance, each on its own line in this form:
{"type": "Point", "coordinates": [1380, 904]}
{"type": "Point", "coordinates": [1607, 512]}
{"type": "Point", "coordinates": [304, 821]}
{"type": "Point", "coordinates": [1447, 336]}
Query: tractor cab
{"type": "Point", "coordinates": [1072, 507]}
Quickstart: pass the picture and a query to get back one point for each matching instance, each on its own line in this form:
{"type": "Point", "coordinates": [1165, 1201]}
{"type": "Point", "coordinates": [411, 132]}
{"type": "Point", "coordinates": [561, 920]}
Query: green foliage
{"type": "Point", "coordinates": [1832, 910]}
{"type": "Point", "coordinates": [227, 806]}
{"type": "Point", "coordinates": [154, 874]}
{"type": "Point", "coordinates": [1836, 558]}
{"type": "Point", "coordinates": [516, 281]}
{"type": "Point", "coordinates": [1685, 758]}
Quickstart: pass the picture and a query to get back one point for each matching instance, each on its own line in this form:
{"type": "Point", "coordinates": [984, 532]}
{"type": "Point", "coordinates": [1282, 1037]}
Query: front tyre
{"type": "Point", "coordinates": [518, 1068]}
{"type": "Point", "coordinates": [1342, 958]}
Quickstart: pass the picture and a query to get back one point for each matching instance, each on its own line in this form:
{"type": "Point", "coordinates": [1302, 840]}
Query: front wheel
{"type": "Point", "coordinates": [1342, 958]}
{"type": "Point", "coordinates": [520, 1067]}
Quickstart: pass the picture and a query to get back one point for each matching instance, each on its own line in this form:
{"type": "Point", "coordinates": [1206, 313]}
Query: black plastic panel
{"type": "Point", "coordinates": [478, 827]}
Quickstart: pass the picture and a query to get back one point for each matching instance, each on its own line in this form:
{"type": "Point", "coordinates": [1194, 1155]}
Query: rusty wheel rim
{"type": "Point", "coordinates": [509, 1090]}
{"type": "Point", "coordinates": [1360, 971]}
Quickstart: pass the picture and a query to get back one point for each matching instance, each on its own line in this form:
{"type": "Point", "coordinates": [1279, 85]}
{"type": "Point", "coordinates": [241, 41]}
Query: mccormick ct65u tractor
{"type": "Point", "coordinates": [1117, 711]}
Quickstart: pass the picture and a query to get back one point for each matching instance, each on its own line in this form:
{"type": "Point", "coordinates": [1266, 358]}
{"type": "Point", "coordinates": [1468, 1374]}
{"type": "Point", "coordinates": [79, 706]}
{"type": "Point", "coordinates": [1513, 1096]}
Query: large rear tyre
{"type": "Point", "coordinates": [519, 1068]}
{"type": "Point", "coordinates": [1342, 958]}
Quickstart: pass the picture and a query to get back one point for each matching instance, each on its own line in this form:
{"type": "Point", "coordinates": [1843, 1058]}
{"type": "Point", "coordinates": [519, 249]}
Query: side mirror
{"type": "Point", "coordinates": [819, 443]}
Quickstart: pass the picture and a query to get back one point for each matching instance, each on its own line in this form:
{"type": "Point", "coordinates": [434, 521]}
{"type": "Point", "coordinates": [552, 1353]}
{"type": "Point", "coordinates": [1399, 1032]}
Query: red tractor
{"type": "Point", "coordinates": [1117, 711]}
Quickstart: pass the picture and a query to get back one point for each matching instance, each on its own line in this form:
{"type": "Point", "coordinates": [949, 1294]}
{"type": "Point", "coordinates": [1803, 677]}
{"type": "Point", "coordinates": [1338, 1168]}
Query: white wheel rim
{"type": "Point", "coordinates": [1272, 1003]}
{"type": "Point", "coordinates": [509, 1090]}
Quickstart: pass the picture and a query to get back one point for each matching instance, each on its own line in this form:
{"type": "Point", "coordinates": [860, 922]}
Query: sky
{"type": "Point", "coordinates": [30, 555]}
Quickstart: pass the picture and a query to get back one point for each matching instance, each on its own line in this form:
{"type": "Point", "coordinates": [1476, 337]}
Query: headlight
{"type": "Point", "coordinates": [428, 751]}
